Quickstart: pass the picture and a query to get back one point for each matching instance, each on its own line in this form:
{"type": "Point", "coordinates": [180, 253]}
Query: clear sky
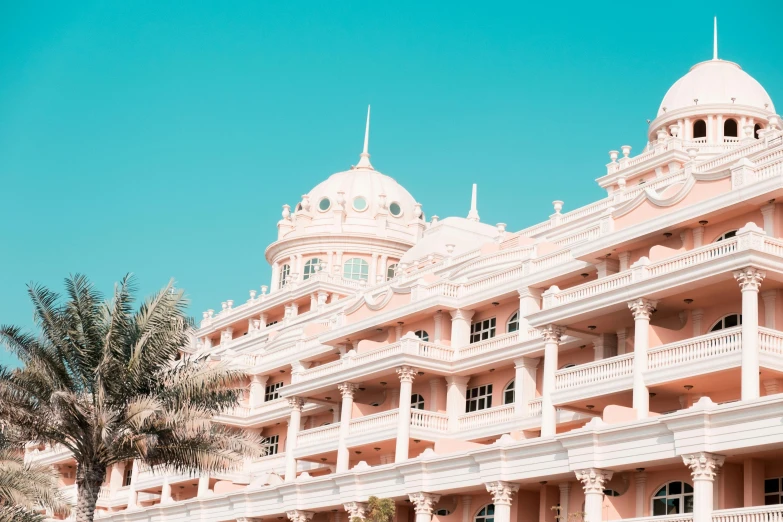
{"type": "Point", "coordinates": [162, 137]}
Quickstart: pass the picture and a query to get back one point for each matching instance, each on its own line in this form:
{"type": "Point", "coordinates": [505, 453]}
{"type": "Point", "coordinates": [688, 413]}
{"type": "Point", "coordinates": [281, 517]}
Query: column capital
{"type": "Point", "coordinates": [749, 278]}
{"type": "Point", "coordinates": [527, 291]}
{"type": "Point", "coordinates": [356, 509]}
{"type": "Point", "coordinates": [454, 380]}
{"type": "Point", "coordinates": [299, 516]}
{"type": "Point", "coordinates": [423, 502]}
{"type": "Point", "coordinates": [296, 403]}
{"type": "Point", "coordinates": [703, 465]}
{"type": "Point", "coordinates": [460, 313]}
{"type": "Point", "coordinates": [593, 479]}
{"type": "Point", "coordinates": [565, 487]}
{"type": "Point", "coordinates": [642, 308]}
{"type": "Point", "coordinates": [501, 492]}
{"type": "Point", "coordinates": [347, 389]}
{"type": "Point", "coordinates": [527, 362]}
{"type": "Point", "coordinates": [552, 333]}
{"type": "Point", "coordinates": [406, 373]}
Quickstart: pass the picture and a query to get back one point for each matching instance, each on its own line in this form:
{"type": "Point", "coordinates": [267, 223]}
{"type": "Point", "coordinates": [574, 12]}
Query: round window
{"type": "Point", "coordinates": [359, 203]}
{"type": "Point", "coordinates": [395, 209]}
{"type": "Point", "coordinates": [324, 204]}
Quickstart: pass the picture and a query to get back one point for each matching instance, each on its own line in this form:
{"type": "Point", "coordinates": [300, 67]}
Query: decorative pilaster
{"type": "Point", "coordinates": [641, 493]}
{"type": "Point", "coordinates": [294, 423]}
{"type": "Point", "coordinates": [642, 310]}
{"type": "Point", "coordinates": [299, 515]}
{"type": "Point", "coordinates": [749, 279]}
{"type": "Point", "coordinates": [565, 494]}
{"type": "Point", "coordinates": [703, 467]}
{"type": "Point", "coordinates": [347, 390]}
{"type": "Point", "coordinates": [460, 328]}
{"type": "Point", "coordinates": [356, 510]}
{"type": "Point", "coordinates": [501, 496]}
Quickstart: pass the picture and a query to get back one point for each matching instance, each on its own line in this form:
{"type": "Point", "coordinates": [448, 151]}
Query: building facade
{"type": "Point", "coordinates": [618, 361]}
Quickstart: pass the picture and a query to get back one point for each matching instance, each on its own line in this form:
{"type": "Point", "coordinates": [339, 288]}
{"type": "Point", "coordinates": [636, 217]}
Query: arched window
{"type": "Point", "coordinates": [357, 269]}
{"type": "Point", "coordinates": [699, 129]}
{"type": "Point", "coordinates": [728, 321]}
{"type": "Point", "coordinates": [674, 498]}
{"type": "Point", "coordinates": [508, 393]}
{"type": "Point", "coordinates": [513, 322]}
{"type": "Point", "coordinates": [311, 267]}
{"type": "Point", "coordinates": [569, 365]}
{"type": "Point", "coordinates": [285, 273]}
{"type": "Point", "coordinates": [730, 128]}
{"type": "Point", "coordinates": [391, 271]}
{"type": "Point", "coordinates": [443, 512]}
{"type": "Point", "coordinates": [423, 335]}
{"type": "Point", "coordinates": [726, 235]}
{"type": "Point", "coordinates": [756, 130]}
{"type": "Point", "coordinates": [485, 514]}
{"type": "Point", "coordinates": [417, 402]}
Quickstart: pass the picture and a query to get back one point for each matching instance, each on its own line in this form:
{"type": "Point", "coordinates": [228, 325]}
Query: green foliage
{"type": "Point", "coordinates": [105, 381]}
{"type": "Point", "coordinates": [378, 510]}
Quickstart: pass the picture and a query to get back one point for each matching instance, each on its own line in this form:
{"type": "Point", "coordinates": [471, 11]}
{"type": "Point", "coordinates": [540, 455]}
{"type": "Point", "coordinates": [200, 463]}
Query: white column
{"type": "Point", "coordinates": [642, 309]}
{"type": "Point", "coordinates": [720, 129]}
{"type": "Point", "coordinates": [710, 129]}
{"type": "Point", "coordinates": [435, 387]}
{"type": "Point", "coordinates": [501, 496]}
{"type": "Point", "coordinates": [438, 332]}
{"type": "Point", "coordinates": [697, 315]}
{"type": "Point", "coordinates": [132, 495]}
{"type": "Point", "coordinates": [465, 502]}
{"type": "Point", "coordinates": [703, 466]}
{"type": "Point", "coordinates": [299, 515]}
{"type": "Point", "coordinates": [460, 328]}
{"type": "Point", "coordinates": [373, 269]}
{"type": "Point", "coordinates": [698, 236]}
{"type": "Point", "coordinates": [525, 369]}
{"type": "Point", "coordinates": [382, 268]}
{"type": "Point", "coordinates": [275, 282]}
{"type": "Point", "coordinates": [347, 389]}
{"type": "Point", "coordinates": [456, 389]}
{"type": "Point", "coordinates": [165, 491]}
{"type": "Point", "coordinates": [622, 334]}
{"type": "Point", "coordinates": [593, 482]}
{"type": "Point", "coordinates": [641, 493]}
{"type": "Point", "coordinates": [529, 303]}
{"type": "Point", "coordinates": [203, 486]}
{"type": "Point", "coordinates": [749, 280]}
{"type": "Point", "coordinates": [551, 334]}
{"type": "Point", "coordinates": [769, 298]}
{"type": "Point", "coordinates": [356, 510]}
{"type": "Point", "coordinates": [116, 478]}
{"type": "Point", "coordinates": [423, 504]}
{"type": "Point", "coordinates": [407, 375]}
{"type": "Point", "coordinates": [565, 493]}
{"type": "Point", "coordinates": [257, 390]}
{"type": "Point", "coordinates": [294, 423]}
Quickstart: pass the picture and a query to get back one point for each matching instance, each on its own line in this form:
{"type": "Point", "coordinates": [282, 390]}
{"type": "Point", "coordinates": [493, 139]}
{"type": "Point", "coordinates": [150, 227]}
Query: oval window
{"type": "Point", "coordinates": [359, 203]}
{"type": "Point", "coordinates": [324, 204]}
{"type": "Point", "coordinates": [395, 209]}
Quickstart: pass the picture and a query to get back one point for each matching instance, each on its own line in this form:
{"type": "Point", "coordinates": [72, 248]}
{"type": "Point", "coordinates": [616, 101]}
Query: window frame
{"type": "Point", "coordinates": [422, 335]}
{"type": "Point", "coordinates": [726, 235]}
{"type": "Point", "coordinates": [272, 391]}
{"type": "Point", "coordinates": [681, 496]}
{"type": "Point", "coordinates": [778, 494]}
{"type": "Point", "coordinates": [356, 266]}
{"type": "Point", "coordinates": [722, 321]}
{"type": "Point", "coordinates": [479, 329]}
{"type": "Point", "coordinates": [486, 516]}
{"type": "Point", "coordinates": [311, 268]}
{"type": "Point", "coordinates": [417, 401]}
{"type": "Point", "coordinates": [391, 271]}
{"type": "Point", "coordinates": [693, 129]}
{"type": "Point", "coordinates": [510, 387]}
{"type": "Point", "coordinates": [736, 128]}
{"type": "Point", "coordinates": [127, 479]}
{"type": "Point", "coordinates": [285, 274]}
{"type": "Point", "coordinates": [477, 396]}
{"type": "Point", "coordinates": [513, 320]}
{"type": "Point", "coordinates": [273, 445]}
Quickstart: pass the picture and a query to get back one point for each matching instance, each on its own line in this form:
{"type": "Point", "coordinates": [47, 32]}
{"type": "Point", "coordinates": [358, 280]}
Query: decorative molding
{"type": "Point", "coordinates": [406, 373]}
{"type": "Point", "coordinates": [347, 389]}
{"type": "Point", "coordinates": [749, 278]}
{"type": "Point", "coordinates": [703, 465]}
{"type": "Point", "coordinates": [593, 479]}
{"type": "Point", "coordinates": [299, 515]}
{"type": "Point", "coordinates": [552, 333]}
{"type": "Point", "coordinates": [424, 502]}
{"type": "Point", "coordinates": [642, 308]}
{"type": "Point", "coordinates": [356, 510]}
{"type": "Point", "coordinates": [501, 492]}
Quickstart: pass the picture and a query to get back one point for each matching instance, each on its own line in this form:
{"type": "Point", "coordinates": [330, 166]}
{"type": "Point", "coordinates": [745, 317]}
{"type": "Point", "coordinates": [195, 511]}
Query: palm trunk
{"type": "Point", "coordinates": [89, 477]}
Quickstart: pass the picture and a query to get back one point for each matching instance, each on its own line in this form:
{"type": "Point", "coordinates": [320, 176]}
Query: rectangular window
{"type": "Point", "coordinates": [482, 330]}
{"type": "Point", "coordinates": [272, 444]}
{"type": "Point", "coordinates": [272, 391]}
{"type": "Point", "coordinates": [478, 398]}
{"type": "Point", "coordinates": [773, 491]}
{"type": "Point", "coordinates": [128, 475]}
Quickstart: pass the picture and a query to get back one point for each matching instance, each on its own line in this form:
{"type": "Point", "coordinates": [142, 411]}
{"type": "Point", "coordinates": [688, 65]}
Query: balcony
{"type": "Point", "coordinates": [50, 455]}
{"type": "Point", "coordinates": [709, 353]}
{"type": "Point", "coordinates": [245, 416]}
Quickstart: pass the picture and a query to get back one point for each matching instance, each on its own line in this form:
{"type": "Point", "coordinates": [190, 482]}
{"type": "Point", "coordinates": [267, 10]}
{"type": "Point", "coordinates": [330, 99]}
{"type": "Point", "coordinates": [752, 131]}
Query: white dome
{"type": "Point", "coordinates": [716, 82]}
{"type": "Point", "coordinates": [364, 191]}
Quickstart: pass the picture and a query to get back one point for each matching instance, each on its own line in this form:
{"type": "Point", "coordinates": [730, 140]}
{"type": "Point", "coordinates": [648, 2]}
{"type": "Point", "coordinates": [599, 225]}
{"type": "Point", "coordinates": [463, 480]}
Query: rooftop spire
{"type": "Point", "coordinates": [473, 214]}
{"type": "Point", "coordinates": [364, 157]}
{"type": "Point", "coordinates": [715, 38]}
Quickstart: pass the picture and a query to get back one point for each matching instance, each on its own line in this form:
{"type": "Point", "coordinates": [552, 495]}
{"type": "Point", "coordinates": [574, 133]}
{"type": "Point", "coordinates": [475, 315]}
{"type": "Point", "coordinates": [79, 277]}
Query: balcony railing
{"type": "Point", "coordinates": [685, 517]}
{"type": "Point", "coordinates": [317, 435]}
{"type": "Point", "coordinates": [375, 422]}
{"type": "Point", "coordinates": [488, 417]}
{"type": "Point", "coordinates": [594, 372]}
{"type": "Point", "coordinates": [699, 348]}
{"type": "Point", "coordinates": [429, 420]}
{"type": "Point", "coordinates": [751, 514]}
{"type": "Point", "coordinates": [771, 341]}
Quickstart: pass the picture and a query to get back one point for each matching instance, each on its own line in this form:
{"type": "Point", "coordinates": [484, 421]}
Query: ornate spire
{"type": "Point", "coordinates": [473, 214]}
{"type": "Point", "coordinates": [715, 38]}
{"type": "Point", "coordinates": [364, 157]}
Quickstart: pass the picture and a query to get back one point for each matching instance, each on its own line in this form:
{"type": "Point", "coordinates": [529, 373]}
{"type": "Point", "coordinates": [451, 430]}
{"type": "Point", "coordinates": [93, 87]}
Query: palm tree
{"type": "Point", "coordinates": [26, 487]}
{"type": "Point", "coordinates": [378, 510]}
{"type": "Point", "coordinates": [108, 382]}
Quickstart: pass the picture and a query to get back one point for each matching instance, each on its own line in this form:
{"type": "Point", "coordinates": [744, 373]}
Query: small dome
{"type": "Point", "coordinates": [716, 82]}
{"type": "Point", "coordinates": [464, 234]}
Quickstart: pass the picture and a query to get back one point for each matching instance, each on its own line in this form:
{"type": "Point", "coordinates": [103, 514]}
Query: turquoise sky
{"type": "Point", "coordinates": [162, 138]}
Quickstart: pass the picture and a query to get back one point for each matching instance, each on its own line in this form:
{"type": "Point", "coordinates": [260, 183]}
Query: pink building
{"type": "Point", "coordinates": [618, 361]}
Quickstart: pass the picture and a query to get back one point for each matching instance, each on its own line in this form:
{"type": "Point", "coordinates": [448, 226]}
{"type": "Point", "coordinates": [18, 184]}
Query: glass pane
{"type": "Point", "coordinates": [659, 507]}
{"type": "Point", "coordinates": [673, 506]}
{"type": "Point", "coordinates": [731, 321]}
{"type": "Point", "coordinates": [491, 509]}
{"type": "Point", "coordinates": [661, 492]}
{"type": "Point", "coordinates": [772, 485]}
{"type": "Point", "coordinates": [771, 500]}
{"type": "Point", "coordinates": [675, 488]}
{"type": "Point", "coordinates": [688, 500]}
{"type": "Point", "coordinates": [688, 488]}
